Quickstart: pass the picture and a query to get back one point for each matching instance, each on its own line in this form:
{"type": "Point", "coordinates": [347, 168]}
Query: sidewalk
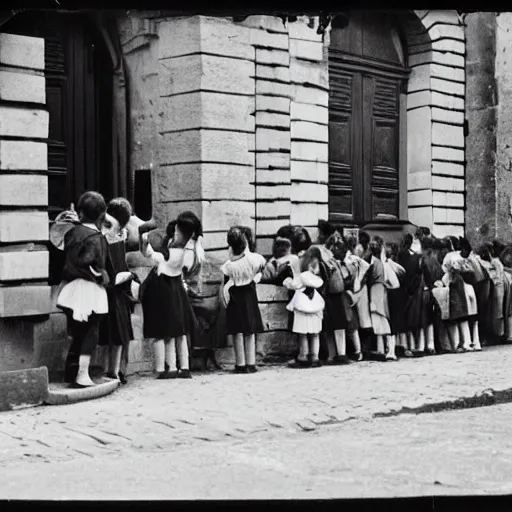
{"type": "Point", "coordinates": [152, 415]}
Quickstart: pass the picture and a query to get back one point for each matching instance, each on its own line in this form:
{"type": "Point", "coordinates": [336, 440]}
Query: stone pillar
{"type": "Point", "coordinates": [24, 292]}
{"type": "Point", "coordinates": [482, 100]}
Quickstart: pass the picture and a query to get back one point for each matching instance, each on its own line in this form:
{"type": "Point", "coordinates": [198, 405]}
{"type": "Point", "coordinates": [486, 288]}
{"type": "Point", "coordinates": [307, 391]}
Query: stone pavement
{"type": "Point", "coordinates": [150, 415]}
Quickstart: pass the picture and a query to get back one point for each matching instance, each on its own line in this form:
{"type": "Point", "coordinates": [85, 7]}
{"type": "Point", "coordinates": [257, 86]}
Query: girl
{"type": "Point", "coordinates": [362, 249]}
{"type": "Point", "coordinates": [277, 269]}
{"type": "Point", "coordinates": [168, 315]}
{"type": "Point", "coordinates": [307, 307]}
{"type": "Point", "coordinates": [116, 330]}
{"type": "Point", "coordinates": [83, 296]}
{"type": "Point", "coordinates": [243, 317]}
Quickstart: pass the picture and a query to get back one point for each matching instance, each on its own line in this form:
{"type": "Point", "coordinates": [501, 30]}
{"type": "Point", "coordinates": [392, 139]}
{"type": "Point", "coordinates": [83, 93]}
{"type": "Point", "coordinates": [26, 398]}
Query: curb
{"type": "Point", "coordinates": [62, 395]}
{"type": "Point", "coordinates": [23, 388]}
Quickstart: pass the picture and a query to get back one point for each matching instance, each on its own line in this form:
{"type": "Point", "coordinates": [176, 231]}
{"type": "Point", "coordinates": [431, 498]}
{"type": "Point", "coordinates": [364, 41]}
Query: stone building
{"type": "Point", "coordinates": [391, 117]}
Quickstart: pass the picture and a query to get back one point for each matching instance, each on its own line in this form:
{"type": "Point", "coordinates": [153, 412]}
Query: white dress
{"type": "Point", "coordinates": [307, 313]}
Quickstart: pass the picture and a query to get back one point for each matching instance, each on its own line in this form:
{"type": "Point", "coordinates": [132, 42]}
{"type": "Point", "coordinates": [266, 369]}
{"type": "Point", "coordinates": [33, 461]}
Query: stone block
{"type": "Point", "coordinates": [447, 230]}
{"type": "Point", "coordinates": [23, 190]}
{"type": "Point", "coordinates": [51, 343]}
{"type": "Point", "coordinates": [20, 122]}
{"type": "Point", "coordinates": [302, 72]}
{"type": "Point", "coordinates": [268, 120]}
{"type": "Point", "coordinates": [179, 36]}
{"type": "Point", "coordinates": [448, 184]}
{"type": "Point", "coordinates": [270, 23]}
{"type": "Point", "coordinates": [280, 73]}
{"type": "Point", "coordinates": [269, 88]}
{"type": "Point", "coordinates": [419, 180]}
{"type": "Point", "coordinates": [272, 210]}
{"type": "Point", "coordinates": [22, 87]}
{"type": "Point", "coordinates": [448, 45]}
{"type": "Point", "coordinates": [445, 215]}
{"type": "Point", "coordinates": [272, 140]}
{"type": "Point", "coordinates": [303, 130]}
{"type": "Point", "coordinates": [425, 57]}
{"type": "Point", "coordinates": [451, 154]}
{"type": "Point", "coordinates": [448, 168]}
{"type": "Point", "coordinates": [23, 155]}
{"type": "Point", "coordinates": [264, 39]}
{"type": "Point", "coordinates": [268, 227]}
{"type": "Point", "coordinates": [307, 112]}
{"type": "Point", "coordinates": [419, 78]}
{"type": "Point", "coordinates": [419, 149]}
{"type": "Point", "coordinates": [273, 176]}
{"type": "Point", "coordinates": [215, 240]}
{"type": "Point", "coordinates": [268, 160]}
{"type": "Point", "coordinates": [307, 50]}
{"type": "Point", "coordinates": [447, 101]}
{"type": "Point", "coordinates": [23, 388]}
{"type": "Point", "coordinates": [308, 214]}
{"type": "Point", "coordinates": [448, 199]}
{"type": "Point", "coordinates": [449, 32]}
{"type": "Point", "coordinates": [265, 56]}
{"type": "Point", "coordinates": [419, 99]}
{"type": "Point", "coordinates": [273, 104]}
{"type": "Point", "coordinates": [440, 16]}
{"type": "Point", "coordinates": [419, 198]}
{"type": "Point", "coordinates": [18, 265]}
{"type": "Point", "coordinates": [20, 301]}
{"type": "Point", "coordinates": [309, 95]}
{"type": "Point", "coordinates": [264, 245]}
{"type": "Point", "coordinates": [448, 116]}
{"type": "Point", "coordinates": [310, 171]}
{"type": "Point", "coordinates": [421, 216]}
{"type": "Point", "coordinates": [447, 87]}
{"type": "Point", "coordinates": [207, 110]}
{"type": "Point", "coordinates": [271, 293]}
{"type": "Point", "coordinates": [310, 151]}
{"type": "Point", "coordinates": [276, 343]}
{"type": "Point", "coordinates": [447, 135]}
{"type": "Point", "coordinates": [305, 191]}
{"type": "Point", "coordinates": [22, 51]}
{"type": "Point", "coordinates": [448, 59]}
{"type": "Point", "coordinates": [179, 182]}
{"type": "Point", "coordinates": [208, 145]}
{"type": "Point", "coordinates": [300, 30]}
{"type": "Point", "coordinates": [221, 215]}
{"type": "Point", "coordinates": [274, 316]}
{"type": "Point", "coordinates": [279, 192]}
{"type": "Point", "coordinates": [448, 73]}
{"type": "Point", "coordinates": [23, 226]}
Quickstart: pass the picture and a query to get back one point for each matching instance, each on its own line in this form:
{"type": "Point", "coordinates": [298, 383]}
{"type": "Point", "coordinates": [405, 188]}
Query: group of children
{"type": "Point", "coordinates": [423, 297]}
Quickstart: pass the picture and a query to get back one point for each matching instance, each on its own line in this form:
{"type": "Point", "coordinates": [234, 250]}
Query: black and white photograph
{"type": "Point", "coordinates": [255, 256]}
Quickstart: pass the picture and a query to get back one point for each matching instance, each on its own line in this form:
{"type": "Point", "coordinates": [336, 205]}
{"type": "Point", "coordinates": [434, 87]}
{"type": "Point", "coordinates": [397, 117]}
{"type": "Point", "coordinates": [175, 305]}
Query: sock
{"type": "Point", "coordinates": [453, 331]}
{"type": "Point", "coordinates": [430, 337]}
{"type": "Point", "coordinates": [465, 335]}
{"type": "Point", "coordinates": [303, 347]}
{"type": "Point", "coordinates": [421, 340]}
{"type": "Point", "coordinates": [116, 367]}
{"type": "Point", "coordinates": [391, 342]}
{"type": "Point", "coordinates": [331, 346]}
{"type": "Point", "coordinates": [341, 342]}
{"type": "Point", "coordinates": [356, 341]}
{"type": "Point", "coordinates": [444, 338]}
{"type": "Point", "coordinates": [159, 349]}
{"type": "Point", "coordinates": [412, 343]}
{"type": "Point", "coordinates": [476, 336]}
{"type": "Point", "coordinates": [182, 346]}
{"type": "Point", "coordinates": [238, 340]}
{"type": "Point", "coordinates": [170, 354]}
{"type": "Point", "coordinates": [403, 340]}
{"type": "Point", "coordinates": [83, 377]}
{"type": "Point", "coordinates": [314, 346]}
{"type": "Point", "coordinates": [380, 344]}
{"type": "Point", "coordinates": [250, 350]}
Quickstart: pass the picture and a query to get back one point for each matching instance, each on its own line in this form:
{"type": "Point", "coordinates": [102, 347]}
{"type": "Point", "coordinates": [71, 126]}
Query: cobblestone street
{"type": "Point", "coordinates": [160, 415]}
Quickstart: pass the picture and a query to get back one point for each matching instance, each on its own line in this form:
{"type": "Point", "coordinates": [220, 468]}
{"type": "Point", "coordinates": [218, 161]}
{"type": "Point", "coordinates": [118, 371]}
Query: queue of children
{"type": "Point", "coordinates": [349, 298]}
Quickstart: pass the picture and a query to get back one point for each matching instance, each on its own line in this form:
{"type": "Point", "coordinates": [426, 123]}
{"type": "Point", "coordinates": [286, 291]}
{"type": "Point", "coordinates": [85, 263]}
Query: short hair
{"type": "Point", "coordinates": [286, 231]}
{"type": "Point", "coordinates": [281, 247]}
{"type": "Point", "coordinates": [170, 230]}
{"type": "Point", "coordinates": [121, 209]}
{"type": "Point", "coordinates": [247, 231]}
{"type": "Point", "coordinates": [427, 242]}
{"type": "Point", "coordinates": [351, 243]}
{"type": "Point", "coordinates": [378, 239]}
{"type": "Point", "coordinates": [325, 229]}
{"type": "Point", "coordinates": [375, 248]}
{"type": "Point", "coordinates": [189, 224]}
{"type": "Point", "coordinates": [301, 241]}
{"type": "Point", "coordinates": [406, 242]}
{"type": "Point", "coordinates": [455, 243]}
{"type": "Point", "coordinates": [236, 240]}
{"type": "Point", "coordinates": [311, 254]}
{"type": "Point", "coordinates": [91, 206]}
{"type": "Point", "coordinates": [364, 238]}
{"type": "Point", "coordinates": [391, 249]}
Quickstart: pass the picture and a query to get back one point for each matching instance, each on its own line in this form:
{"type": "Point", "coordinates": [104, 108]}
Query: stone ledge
{"type": "Point", "coordinates": [23, 388]}
{"type": "Point", "coordinates": [62, 395]}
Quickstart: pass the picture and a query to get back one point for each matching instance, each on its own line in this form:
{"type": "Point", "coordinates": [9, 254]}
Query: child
{"type": "Point", "coordinates": [362, 249]}
{"type": "Point", "coordinates": [277, 269]}
{"type": "Point", "coordinates": [83, 296]}
{"type": "Point", "coordinates": [116, 330]}
{"type": "Point", "coordinates": [243, 317]}
{"type": "Point", "coordinates": [168, 315]}
{"type": "Point", "coordinates": [307, 306]}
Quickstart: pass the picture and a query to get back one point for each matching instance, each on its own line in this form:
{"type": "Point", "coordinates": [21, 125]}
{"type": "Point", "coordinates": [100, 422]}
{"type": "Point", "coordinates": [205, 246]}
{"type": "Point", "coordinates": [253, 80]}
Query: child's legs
{"type": "Point", "coordinates": [453, 330]}
{"type": "Point", "coordinates": [77, 331]}
{"type": "Point", "coordinates": [303, 347]}
{"type": "Point", "coordinates": [380, 343]}
{"type": "Point", "coordinates": [89, 342]}
{"type": "Point", "coordinates": [420, 347]}
{"type": "Point", "coordinates": [429, 333]}
{"type": "Point", "coordinates": [391, 344]}
{"type": "Point", "coordinates": [465, 335]}
{"type": "Point", "coordinates": [170, 354]}
{"type": "Point", "coordinates": [115, 354]}
{"type": "Point", "coordinates": [411, 341]}
{"type": "Point", "coordinates": [356, 341]}
{"type": "Point", "coordinates": [159, 351]}
{"type": "Point", "coordinates": [238, 343]}
{"type": "Point", "coordinates": [182, 346]}
{"type": "Point", "coordinates": [403, 340]}
{"type": "Point", "coordinates": [331, 345]}
{"type": "Point", "coordinates": [340, 341]}
{"type": "Point", "coordinates": [250, 349]}
{"type": "Point", "coordinates": [314, 346]}
{"type": "Point", "coordinates": [476, 335]}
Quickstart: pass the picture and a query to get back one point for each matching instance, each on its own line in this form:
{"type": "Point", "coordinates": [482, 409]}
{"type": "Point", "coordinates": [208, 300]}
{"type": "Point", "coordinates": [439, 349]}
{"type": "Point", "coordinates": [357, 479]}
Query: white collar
{"type": "Point", "coordinates": [90, 226]}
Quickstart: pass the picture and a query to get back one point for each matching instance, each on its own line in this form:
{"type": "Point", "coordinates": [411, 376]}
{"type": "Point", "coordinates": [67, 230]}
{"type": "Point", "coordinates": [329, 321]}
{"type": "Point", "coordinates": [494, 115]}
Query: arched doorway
{"type": "Point", "coordinates": [78, 72]}
{"type": "Point", "coordinates": [367, 81]}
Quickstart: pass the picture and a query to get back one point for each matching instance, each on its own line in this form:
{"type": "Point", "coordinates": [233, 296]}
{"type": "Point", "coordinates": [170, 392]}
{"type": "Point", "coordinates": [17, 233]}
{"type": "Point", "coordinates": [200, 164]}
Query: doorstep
{"type": "Point", "coordinates": [62, 394]}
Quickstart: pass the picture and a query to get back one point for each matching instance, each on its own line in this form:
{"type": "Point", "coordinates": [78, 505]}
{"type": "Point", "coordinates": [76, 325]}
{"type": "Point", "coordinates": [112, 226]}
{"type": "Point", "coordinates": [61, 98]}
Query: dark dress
{"type": "Point", "coordinates": [396, 300]}
{"type": "Point", "coordinates": [166, 307]}
{"type": "Point", "coordinates": [116, 327]}
{"type": "Point", "coordinates": [458, 301]}
{"type": "Point", "coordinates": [243, 313]}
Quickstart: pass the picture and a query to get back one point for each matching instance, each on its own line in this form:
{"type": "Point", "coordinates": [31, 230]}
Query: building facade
{"type": "Point", "coordinates": [389, 118]}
